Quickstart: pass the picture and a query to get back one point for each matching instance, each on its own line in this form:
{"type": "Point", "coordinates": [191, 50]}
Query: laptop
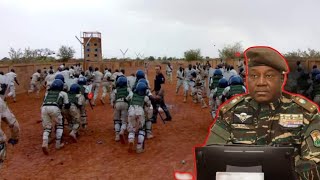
{"type": "Point", "coordinates": [273, 162]}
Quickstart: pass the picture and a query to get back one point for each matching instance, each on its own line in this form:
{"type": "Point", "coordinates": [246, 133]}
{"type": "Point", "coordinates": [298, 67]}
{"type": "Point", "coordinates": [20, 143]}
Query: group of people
{"type": "Point", "coordinates": [135, 106]}
{"type": "Point", "coordinates": [218, 84]}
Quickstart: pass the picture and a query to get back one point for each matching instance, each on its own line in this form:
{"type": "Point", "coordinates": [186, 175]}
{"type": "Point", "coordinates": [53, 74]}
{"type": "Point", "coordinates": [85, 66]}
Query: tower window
{"type": "Point", "coordinates": [95, 44]}
{"type": "Point", "coordinates": [88, 49]}
{"type": "Point", "coordinates": [96, 50]}
{"type": "Point", "coordinates": [88, 55]}
{"type": "Point", "coordinates": [88, 44]}
{"type": "Point", "coordinates": [95, 55]}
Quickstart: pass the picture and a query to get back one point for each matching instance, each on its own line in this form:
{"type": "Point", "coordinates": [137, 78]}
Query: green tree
{"type": "Point", "coordinates": [66, 53]}
{"type": "Point", "coordinates": [15, 54]}
{"type": "Point", "coordinates": [192, 55]}
{"type": "Point", "coordinates": [151, 58]}
{"type": "Point", "coordinates": [229, 51]}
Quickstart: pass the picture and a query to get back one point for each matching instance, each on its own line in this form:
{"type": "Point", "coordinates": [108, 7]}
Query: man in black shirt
{"type": "Point", "coordinates": [158, 99]}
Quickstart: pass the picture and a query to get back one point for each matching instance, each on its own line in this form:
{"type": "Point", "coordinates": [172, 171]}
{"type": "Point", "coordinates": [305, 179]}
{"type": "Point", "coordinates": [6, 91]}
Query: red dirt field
{"type": "Point", "coordinates": [96, 155]}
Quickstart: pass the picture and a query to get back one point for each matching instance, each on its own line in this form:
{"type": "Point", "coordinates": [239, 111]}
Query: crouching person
{"type": "Point", "coordinates": [53, 102]}
{"type": "Point", "coordinates": [119, 100]}
{"type": "Point", "coordinates": [72, 114]}
{"type": "Point", "coordinates": [136, 119]}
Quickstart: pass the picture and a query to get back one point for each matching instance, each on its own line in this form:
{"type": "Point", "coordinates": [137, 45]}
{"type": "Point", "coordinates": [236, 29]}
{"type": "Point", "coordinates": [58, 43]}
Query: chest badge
{"type": "Point", "coordinates": [243, 116]}
{"type": "Point", "coordinates": [315, 135]}
{"type": "Point", "coordinates": [291, 120]}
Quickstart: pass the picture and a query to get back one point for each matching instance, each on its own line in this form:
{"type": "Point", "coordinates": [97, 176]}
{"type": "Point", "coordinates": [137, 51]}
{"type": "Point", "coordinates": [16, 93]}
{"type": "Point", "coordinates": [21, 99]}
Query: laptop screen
{"type": "Point", "coordinates": [274, 162]}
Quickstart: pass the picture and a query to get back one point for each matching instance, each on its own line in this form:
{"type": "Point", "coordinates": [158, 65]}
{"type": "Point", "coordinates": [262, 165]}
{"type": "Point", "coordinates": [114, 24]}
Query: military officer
{"type": "Point", "coordinates": [270, 116]}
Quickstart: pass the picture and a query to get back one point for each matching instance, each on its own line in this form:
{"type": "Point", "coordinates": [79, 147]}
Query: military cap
{"type": "Point", "coordinates": [266, 56]}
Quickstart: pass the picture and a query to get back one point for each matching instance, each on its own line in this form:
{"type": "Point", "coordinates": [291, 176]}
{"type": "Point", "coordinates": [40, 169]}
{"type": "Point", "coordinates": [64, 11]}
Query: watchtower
{"type": "Point", "coordinates": [92, 46]}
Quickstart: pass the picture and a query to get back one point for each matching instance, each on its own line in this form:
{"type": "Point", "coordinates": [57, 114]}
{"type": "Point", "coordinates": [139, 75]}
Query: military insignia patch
{"type": "Point", "coordinates": [315, 135]}
{"type": "Point", "coordinates": [243, 117]}
{"type": "Point", "coordinates": [291, 120]}
{"type": "Point", "coordinates": [302, 101]}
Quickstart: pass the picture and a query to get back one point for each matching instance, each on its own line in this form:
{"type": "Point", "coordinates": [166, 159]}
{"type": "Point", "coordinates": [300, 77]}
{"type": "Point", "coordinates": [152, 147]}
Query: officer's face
{"type": "Point", "coordinates": [264, 83]}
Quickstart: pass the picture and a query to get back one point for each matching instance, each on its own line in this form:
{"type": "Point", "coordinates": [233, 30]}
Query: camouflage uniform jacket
{"type": "Point", "coordinates": [289, 121]}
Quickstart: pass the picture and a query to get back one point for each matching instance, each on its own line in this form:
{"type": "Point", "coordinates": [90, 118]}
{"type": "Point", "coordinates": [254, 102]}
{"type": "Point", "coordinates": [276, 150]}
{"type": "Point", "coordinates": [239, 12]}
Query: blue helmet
{"type": "Point", "coordinates": [194, 74]}
{"type": "Point", "coordinates": [223, 83]}
{"type": "Point", "coordinates": [315, 72]}
{"type": "Point", "coordinates": [236, 80]}
{"type": "Point", "coordinates": [122, 81]}
{"type": "Point", "coordinates": [60, 76]}
{"type": "Point", "coordinates": [141, 89]}
{"type": "Point", "coordinates": [57, 85]}
{"type": "Point", "coordinates": [143, 81]}
{"type": "Point", "coordinates": [82, 81]}
{"type": "Point", "coordinates": [75, 89]}
{"type": "Point", "coordinates": [217, 72]}
{"type": "Point", "coordinates": [140, 74]}
{"type": "Point", "coordinates": [317, 78]}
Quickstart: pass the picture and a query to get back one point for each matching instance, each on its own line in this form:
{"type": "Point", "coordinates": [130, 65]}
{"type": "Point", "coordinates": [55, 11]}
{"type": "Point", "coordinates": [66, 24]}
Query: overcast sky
{"type": "Point", "coordinates": [160, 27]}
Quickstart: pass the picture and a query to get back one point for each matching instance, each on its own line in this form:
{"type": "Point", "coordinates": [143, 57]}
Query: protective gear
{"type": "Point", "coordinates": [236, 80]}
{"type": "Point", "coordinates": [194, 74]}
{"type": "Point", "coordinates": [57, 85]}
{"type": "Point", "coordinates": [223, 83]}
{"type": "Point", "coordinates": [75, 89]}
{"type": "Point", "coordinates": [53, 99]}
{"type": "Point", "coordinates": [317, 78]}
{"type": "Point", "coordinates": [122, 82]}
{"type": "Point", "coordinates": [140, 74]}
{"type": "Point", "coordinates": [73, 98]}
{"type": "Point", "coordinates": [137, 100]}
{"type": "Point", "coordinates": [140, 143]}
{"type": "Point", "coordinates": [141, 89]}
{"type": "Point", "coordinates": [315, 72]}
{"type": "Point", "coordinates": [236, 89]}
{"type": "Point", "coordinates": [143, 81]}
{"type": "Point", "coordinates": [117, 125]}
{"type": "Point", "coordinates": [215, 82]}
{"type": "Point", "coordinates": [122, 93]}
{"type": "Point", "coordinates": [60, 76]}
{"type": "Point", "coordinates": [217, 72]}
{"type": "Point", "coordinates": [82, 81]}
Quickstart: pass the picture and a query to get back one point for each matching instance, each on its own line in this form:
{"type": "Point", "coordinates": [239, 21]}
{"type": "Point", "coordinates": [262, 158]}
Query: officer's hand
{"type": "Point", "coordinates": [13, 141]}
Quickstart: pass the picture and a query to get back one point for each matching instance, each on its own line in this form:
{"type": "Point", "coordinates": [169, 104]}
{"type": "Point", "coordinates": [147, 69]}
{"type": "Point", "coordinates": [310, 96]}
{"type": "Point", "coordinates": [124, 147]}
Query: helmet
{"type": "Point", "coordinates": [82, 81]}
{"type": "Point", "coordinates": [119, 76]}
{"type": "Point", "coordinates": [194, 74]}
{"type": "Point", "coordinates": [121, 81]}
{"type": "Point", "coordinates": [57, 85]}
{"type": "Point", "coordinates": [143, 81]}
{"type": "Point", "coordinates": [60, 76]}
{"type": "Point", "coordinates": [141, 89]}
{"type": "Point", "coordinates": [140, 74]}
{"type": "Point", "coordinates": [217, 72]}
{"type": "Point", "coordinates": [236, 80]}
{"type": "Point", "coordinates": [315, 72]}
{"type": "Point", "coordinates": [75, 89]}
{"type": "Point", "coordinates": [223, 83]}
{"type": "Point", "coordinates": [317, 78]}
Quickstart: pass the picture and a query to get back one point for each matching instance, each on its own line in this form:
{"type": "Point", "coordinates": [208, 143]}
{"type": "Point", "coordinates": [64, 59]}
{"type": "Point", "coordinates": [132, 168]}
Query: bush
{"type": "Point", "coordinates": [193, 55]}
{"type": "Point", "coordinates": [66, 53]}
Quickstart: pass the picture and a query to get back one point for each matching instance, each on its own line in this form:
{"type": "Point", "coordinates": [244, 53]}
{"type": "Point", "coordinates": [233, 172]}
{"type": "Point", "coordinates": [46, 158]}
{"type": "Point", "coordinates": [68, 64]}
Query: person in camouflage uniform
{"type": "Point", "coordinates": [82, 81]}
{"type": "Point", "coordinates": [215, 98]}
{"type": "Point", "coordinates": [119, 100]}
{"type": "Point", "coordinates": [270, 116]}
{"type": "Point", "coordinates": [72, 115]}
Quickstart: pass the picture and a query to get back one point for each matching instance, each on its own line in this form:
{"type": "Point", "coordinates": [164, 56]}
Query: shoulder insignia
{"type": "Point", "coordinates": [306, 104]}
{"type": "Point", "coordinates": [232, 103]}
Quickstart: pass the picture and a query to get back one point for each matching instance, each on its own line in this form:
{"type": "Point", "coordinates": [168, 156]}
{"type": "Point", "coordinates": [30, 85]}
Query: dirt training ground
{"type": "Point", "coordinates": [97, 155]}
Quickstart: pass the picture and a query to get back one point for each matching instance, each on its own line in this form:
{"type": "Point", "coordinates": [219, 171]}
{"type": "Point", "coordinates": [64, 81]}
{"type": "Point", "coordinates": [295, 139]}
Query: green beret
{"type": "Point", "coordinates": [265, 56]}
